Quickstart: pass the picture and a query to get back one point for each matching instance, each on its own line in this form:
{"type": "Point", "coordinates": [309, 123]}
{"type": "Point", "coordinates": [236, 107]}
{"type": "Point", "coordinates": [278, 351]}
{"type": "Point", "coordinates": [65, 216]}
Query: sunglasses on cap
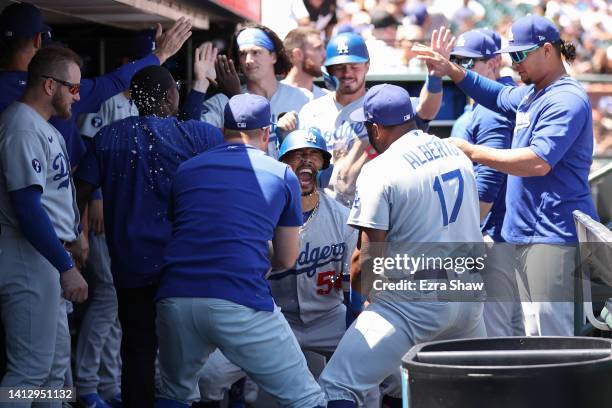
{"type": "Point", "coordinates": [72, 88]}
{"type": "Point", "coordinates": [520, 56]}
{"type": "Point", "coordinates": [466, 62]}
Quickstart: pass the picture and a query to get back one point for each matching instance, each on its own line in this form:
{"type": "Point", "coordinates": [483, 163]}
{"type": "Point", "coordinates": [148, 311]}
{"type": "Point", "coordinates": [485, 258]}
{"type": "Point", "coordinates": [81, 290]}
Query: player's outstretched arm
{"type": "Point", "coordinates": [286, 245]}
{"type": "Point", "coordinates": [430, 99]}
{"type": "Point", "coordinates": [522, 162]}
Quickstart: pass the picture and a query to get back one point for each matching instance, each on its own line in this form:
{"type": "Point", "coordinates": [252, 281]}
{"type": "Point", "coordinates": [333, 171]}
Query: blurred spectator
{"type": "Point", "coordinates": [385, 58]}
{"type": "Point", "coordinates": [283, 16]}
{"type": "Point", "coordinates": [407, 36]}
{"type": "Point", "coordinates": [417, 14]}
{"type": "Point", "coordinates": [602, 126]}
{"type": "Point", "coordinates": [322, 14]}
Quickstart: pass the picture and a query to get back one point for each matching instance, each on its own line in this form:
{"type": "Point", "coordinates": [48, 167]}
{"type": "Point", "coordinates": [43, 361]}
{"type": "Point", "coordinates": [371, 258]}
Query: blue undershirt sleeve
{"type": "Point", "coordinates": [492, 94]}
{"type": "Point", "coordinates": [95, 91]}
{"type": "Point", "coordinates": [193, 106]}
{"type": "Point", "coordinates": [37, 228]}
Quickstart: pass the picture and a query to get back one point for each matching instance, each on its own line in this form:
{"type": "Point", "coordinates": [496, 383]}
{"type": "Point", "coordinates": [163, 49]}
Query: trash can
{"type": "Point", "coordinates": [509, 372]}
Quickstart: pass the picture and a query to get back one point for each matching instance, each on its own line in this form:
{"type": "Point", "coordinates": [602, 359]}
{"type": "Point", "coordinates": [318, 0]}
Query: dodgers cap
{"type": "Point", "coordinates": [22, 20]}
{"type": "Point", "coordinates": [529, 32]}
{"type": "Point", "coordinates": [247, 112]}
{"type": "Point", "coordinates": [386, 105]}
{"type": "Point", "coordinates": [474, 44]}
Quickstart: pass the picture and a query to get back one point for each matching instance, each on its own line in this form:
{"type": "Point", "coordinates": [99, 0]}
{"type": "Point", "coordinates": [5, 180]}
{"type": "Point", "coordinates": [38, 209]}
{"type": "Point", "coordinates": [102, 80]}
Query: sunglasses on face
{"type": "Point", "coordinates": [72, 88]}
{"type": "Point", "coordinates": [520, 56]}
{"type": "Point", "coordinates": [465, 62]}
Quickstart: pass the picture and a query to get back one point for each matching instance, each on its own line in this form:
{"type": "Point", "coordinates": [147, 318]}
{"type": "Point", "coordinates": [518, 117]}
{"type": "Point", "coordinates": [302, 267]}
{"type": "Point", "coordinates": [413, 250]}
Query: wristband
{"type": "Point", "coordinates": [434, 84]}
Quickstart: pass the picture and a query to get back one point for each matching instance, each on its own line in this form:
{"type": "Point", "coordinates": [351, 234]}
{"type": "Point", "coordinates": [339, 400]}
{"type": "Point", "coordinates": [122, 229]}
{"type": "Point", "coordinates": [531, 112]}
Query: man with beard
{"type": "Point", "coordinates": [306, 51]}
{"type": "Point", "coordinates": [547, 165]}
{"type": "Point", "coordinates": [310, 293]}
{"type": "Point", "coordinates": [261, 56]}
{"type": "Point", "coordinates": [134, 161]}
{"type": "Point", "coordinates": [39, 223]}
{"type": "Point", "coordinates": [348, 60]}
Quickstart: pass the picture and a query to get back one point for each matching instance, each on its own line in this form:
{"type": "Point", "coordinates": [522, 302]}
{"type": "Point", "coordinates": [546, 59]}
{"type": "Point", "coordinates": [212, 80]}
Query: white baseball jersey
{"type": "Point", "coordinates": [33, 152]}
{"type": "Point", "coordinates": [115, 108]}
{"type": "Point", "coordinates": [314, 93]}
{"type": "Point", "coordinates": [286, 98]}
{"type": "Point", "coordinates": [313, 287]}
{"type": "Point", "coordinates": [421, 190]}
{"type": "Point", "coordinates": [339, 131]}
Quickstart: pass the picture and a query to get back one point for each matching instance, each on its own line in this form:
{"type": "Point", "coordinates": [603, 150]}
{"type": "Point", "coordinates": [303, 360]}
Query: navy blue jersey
{"type": "Point", "coordinates": [93, 93]}
{"type": "Point", "coordinates": [226, 204]}
{"type": "Point", "coordinates": [494, 130]}
{"type": "Point", "coordinates": [556, 124]}
{"type": "Point", "coordinates": [134, 161]}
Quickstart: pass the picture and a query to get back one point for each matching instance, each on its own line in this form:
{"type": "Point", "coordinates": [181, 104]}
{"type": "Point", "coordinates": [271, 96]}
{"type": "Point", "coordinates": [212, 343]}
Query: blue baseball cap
{"type": "Point", "coordinates": [494, 36]}
{"type": "Point", "coordinates": [141, 45]}
{"type": "Point", "coordinates": [247, 112]}
{"type": "Point", "coordinates": [22, 20]}
{"type": "Point", "coordinates": [474, 44]}
{"type": "Point", "coordinates": [346, 48]}
{"type": "Point", "coordinates": [386, 105]}
{"type": "Point", "coordinates": [529, 32]}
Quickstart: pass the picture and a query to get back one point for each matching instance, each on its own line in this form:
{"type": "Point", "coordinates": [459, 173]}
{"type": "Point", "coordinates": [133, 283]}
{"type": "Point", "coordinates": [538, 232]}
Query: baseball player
{"type": "Point", "coordinates": [306, 51]}
{"type": "Point", "coordinates": [475, 51]}
{"type": "Point", "coordinates": [261, 57]}
{"type": "Point", "coordinates": [547, 166]}
{"type": "Point", "coordinates": [418, 192]}
{"type": "Point", "coordinates": [101, 315]}
{"type": "Point", "coordinates": [310, 293]}
{"type": "Point", "coordinates": [38, 220]}
{"type": "Point", "coordinates": [134, 160]}
{"type": "Point", "coordinates": [347, 60]}
{"type": "Point", "coordinates": [24, 32]}
{"type": "Point", "coordinates": [213, 292]}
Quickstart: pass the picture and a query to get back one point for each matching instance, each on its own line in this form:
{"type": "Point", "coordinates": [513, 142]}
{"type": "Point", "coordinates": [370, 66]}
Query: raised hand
{"type": "Point", "coordinates": [227, 76]}
{"type": "Point", "coordinates": [168, 43]}
{"type": "Point", "coordinates": [204, 66]}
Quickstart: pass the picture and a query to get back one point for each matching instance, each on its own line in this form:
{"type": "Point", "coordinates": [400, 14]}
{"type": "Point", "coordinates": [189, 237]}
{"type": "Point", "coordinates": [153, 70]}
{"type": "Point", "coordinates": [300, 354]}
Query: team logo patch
{"type": "Point", "coordinates": [96, 121]}
{"type": "Point", "coordinates": [311, 137]}
{"type": "Point", "coordinates": [36, 165]}
{"type": "Point", "coordinates": [343, 47]}
{"type": "Point", "coordinates": [241, 125]}
{"type": "Point", "coordinates": [510, 36]}
{"type": "Point", "coordinates": [50, 139]}
{"type": "Point", "coordinates": [541, 37]}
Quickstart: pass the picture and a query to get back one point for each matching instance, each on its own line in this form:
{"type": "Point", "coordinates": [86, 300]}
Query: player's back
{"type": "Point", "coordinates": [134, 160]}
{"type": "Point", "coordinates": [226, 204]}
{"type": "Point", "coordinates": [430, 187]}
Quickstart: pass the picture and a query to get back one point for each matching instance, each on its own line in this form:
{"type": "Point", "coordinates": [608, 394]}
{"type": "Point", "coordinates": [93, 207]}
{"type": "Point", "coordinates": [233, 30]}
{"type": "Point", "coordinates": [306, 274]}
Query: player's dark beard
{"type": "Point", "coordinates": [311, 69]}
{"type": "Point", "coordinates": [61, 110]}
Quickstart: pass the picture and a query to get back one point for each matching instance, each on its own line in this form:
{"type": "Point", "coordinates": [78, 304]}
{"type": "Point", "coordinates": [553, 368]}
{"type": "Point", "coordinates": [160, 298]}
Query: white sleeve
{"type": "Point", "coordinates": [213, 110]}
{"type": "Point", "coordinates": [371, 205]}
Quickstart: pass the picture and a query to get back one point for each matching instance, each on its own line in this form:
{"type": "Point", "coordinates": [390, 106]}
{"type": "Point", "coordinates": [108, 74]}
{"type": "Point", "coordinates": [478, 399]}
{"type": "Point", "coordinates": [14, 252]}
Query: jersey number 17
{"type": "Point", "coordinates": [437, 186]}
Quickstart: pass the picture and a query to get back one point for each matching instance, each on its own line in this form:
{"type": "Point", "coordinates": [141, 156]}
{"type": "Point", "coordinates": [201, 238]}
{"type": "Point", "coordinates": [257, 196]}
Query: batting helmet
{"type": "Point", "coordinates": [346, 48]}
{"type": "Point", "coordinates": [305, 138]}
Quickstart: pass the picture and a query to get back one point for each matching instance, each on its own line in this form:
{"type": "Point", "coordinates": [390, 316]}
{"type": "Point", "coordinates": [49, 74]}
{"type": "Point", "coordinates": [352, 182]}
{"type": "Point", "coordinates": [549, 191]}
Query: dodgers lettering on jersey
{"type": "Point", "coordinates": [314, 286]}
